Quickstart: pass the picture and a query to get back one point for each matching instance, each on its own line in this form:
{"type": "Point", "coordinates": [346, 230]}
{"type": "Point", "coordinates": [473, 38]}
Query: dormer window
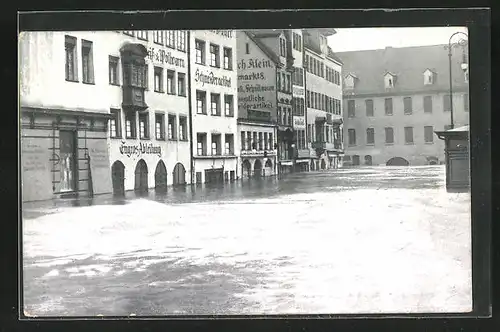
{"type": "Point", "coordinates": [390, 80]}
{"type": "Point", "coordinates": [350, 81]}
{"type": "Point", "coordinates": [429, 77]}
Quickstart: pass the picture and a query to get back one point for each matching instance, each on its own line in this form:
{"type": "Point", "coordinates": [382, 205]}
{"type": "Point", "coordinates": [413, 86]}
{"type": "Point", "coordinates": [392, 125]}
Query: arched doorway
{"type": "Point", "coordinates": [246, 169]}
{"type": "Point", "coordinates": [355, 160]}
{"type": "Point", "coordinates": [323, 164]}
{"type": "Point", "coordinates": [257, 168]}
{"type": "Point", "coordinates": [398, 161]}
{"type": "Point", "coordinates": [179, 175]}
{"type": "Point", "coordinates": [312, 165]}
{"type": "Point", "coordinates": [141, 176]}
{"type": "Point", "coordinates": [268, 167]}
{"type": "Point", "coordinates": [161, 176]}
{"type": "Point", "coordinates": [368, 160]}
{"type": "Point", "coordinates": [118, 178]}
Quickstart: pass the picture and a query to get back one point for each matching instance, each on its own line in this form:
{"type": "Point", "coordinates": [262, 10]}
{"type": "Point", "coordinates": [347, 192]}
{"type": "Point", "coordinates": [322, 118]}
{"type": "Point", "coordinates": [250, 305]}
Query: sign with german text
{"type": "Point", "coordinates": [299, 122]}
{"type": "Point", "coordinates": [162, 56]}
{"type": "Point", "coordinates": [130, 150]}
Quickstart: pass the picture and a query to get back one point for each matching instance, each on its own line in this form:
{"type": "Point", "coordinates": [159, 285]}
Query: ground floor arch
{"type": "Point", "coordinates": [397, 161]}
{"type": "Point", "coordinates": [141, 176]}
{"type": "Point", "coordinates": [257, 168]}
{"type": "Point", "coordinates": [118, 178]}
{"type": "Point", "coordinates": [246, 168]}
{"type": "Point", "coordinates": [368, 160]}
{"type": "Point", "coordinates": [179, 175]}
{"type": "Point", "coordinates": [161, 176]}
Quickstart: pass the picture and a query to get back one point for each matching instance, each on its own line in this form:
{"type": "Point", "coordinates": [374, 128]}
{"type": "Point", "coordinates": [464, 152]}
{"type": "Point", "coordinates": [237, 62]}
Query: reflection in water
{"type": "Point", "coordinates": [349, 240]}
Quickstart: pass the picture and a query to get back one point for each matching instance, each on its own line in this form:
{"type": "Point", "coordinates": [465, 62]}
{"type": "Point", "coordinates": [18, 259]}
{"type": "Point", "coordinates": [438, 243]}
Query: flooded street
{"type": "Point", "coordinates": [362, 240]}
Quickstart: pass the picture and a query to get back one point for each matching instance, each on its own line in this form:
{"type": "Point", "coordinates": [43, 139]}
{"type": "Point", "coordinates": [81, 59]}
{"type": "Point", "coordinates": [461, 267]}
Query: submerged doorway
{"type": "Point", "coordinates": [141, 176]}
{"type": "Point", "coordinates": [68, 160]}
{"type": "Point", "coordinates": [161, 177]}
{"type": "Point", "coordinates": [118, 178]}
{"type": "Point", "coordinates": [179, 175]}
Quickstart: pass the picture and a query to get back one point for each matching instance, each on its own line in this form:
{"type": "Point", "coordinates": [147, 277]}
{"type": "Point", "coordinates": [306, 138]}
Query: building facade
{"type": "Point", "coordinates": [213, 78]}
{"type": "Point", "coordinates": [257, 106]}
{"type": "Point", "coordinates": [396, 98]}
{"type": "Point", "coordinates": [323, 100]}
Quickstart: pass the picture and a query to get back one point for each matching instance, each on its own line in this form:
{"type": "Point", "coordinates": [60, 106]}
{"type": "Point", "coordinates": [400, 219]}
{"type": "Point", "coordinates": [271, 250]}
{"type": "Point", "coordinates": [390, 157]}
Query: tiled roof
{"type": "Point", "coordinates": [408, 64]}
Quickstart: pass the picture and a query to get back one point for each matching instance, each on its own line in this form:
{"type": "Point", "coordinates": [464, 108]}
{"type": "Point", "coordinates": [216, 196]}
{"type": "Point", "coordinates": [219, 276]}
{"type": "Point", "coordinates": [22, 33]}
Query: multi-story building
{"type": "Point", "coordinates": [395, 98]}
{"type": "Point", "coordinates": [323, 100]}
{"type": "Point", "coordinates": [213, 78]}
{"type": "Point", "coordinates": [257, 105]}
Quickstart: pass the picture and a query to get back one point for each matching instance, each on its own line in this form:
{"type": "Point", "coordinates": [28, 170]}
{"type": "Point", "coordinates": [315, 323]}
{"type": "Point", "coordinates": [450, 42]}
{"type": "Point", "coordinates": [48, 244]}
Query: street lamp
{"type": "Point", "coordinates": [462, 42]}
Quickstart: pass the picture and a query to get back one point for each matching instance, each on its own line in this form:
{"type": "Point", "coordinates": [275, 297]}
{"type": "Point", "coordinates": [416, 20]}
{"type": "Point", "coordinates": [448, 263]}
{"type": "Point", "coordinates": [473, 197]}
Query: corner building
{"type": "Point", "coordinates": [213, 79]}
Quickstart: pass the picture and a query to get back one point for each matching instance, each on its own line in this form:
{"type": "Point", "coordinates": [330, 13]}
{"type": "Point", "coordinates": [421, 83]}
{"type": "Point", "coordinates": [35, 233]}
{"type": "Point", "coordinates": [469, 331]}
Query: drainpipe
{"type": "Point", "coordinates": [278, 142]}
{"type": "Point", "coordinates": [190, 108]}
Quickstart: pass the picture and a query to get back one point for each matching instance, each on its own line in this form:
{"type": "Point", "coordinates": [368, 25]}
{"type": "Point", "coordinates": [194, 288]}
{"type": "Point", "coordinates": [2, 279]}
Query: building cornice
{"type": "Point", "coordinates": [64, 112]}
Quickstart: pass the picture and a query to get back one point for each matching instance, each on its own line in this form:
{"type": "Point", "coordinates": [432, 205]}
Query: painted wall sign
{"type": "Point", "coordinates": [161, 56]}
{"type": "Point", "coordinates": [298, 91]}
{"type": "Point", "coordinates": [34, 157]}
{"type": "Point", "coordinates": [99, 156]}
{"type": "Point", "coordinates": [224, 33]}
{"type": "Point", "coordinates": [210, 78]}
{"type": "Point", "coordinates": [299, 122]}
{"type": "Point", "coordinates": [256, 84]}
{"type": "Point", "coordinates": [139, 149]}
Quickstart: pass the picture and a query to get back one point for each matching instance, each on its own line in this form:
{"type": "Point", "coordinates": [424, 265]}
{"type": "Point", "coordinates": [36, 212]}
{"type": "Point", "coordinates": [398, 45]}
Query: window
{"type": "Point", "coordinates": [181, 40]}
{"type": "Point", "coordinates": [261, 141]}
{"type": "Point", "coordinates": [129, 32]}
{"type": "Point", "coordinates": [170, 82]}
{"type": "Point", "coordinates": [248, 141]}
{"type": "Point", "coordinates": [351, 136]}
{"type": "Point", "coordinates": [243, 140]}
{"type": "Point", "coordinates": [160, 126]}
{"type": "Point", "coordinates": [254, 141]}
{"type": "Point", "coordinates": [428, 134]}
{"type": "Point", "coordinates": [282, 47]}
{"type": "Point", "coordinates": [389, 135]}
{"type": "Point", "coordinates": [144, 126]}
{"type": "Point", "coordinates": [142, 34]}
{"type": "Point", "coordinates": [409, 135]}
{"type": "Point", "coordinates": [87, 62]}
{"type": "Point", "coordinates": [200, 52]}
{"type": "Point", "coordinates": [158, 71]}
{"type": "Point", "coordinates": [407, 104]}
{"type": "Point", "coordinates": [115, 124]}
{"type": "Point", "coordinates": [113, 70]}
{"type": "Point", "coordinates": [229, 144]}
{"type": "Point", "coordinates": [388, 106]}
{"type": "Point", "coordinates": [71, 59]}
{"type": "Point", "coordinates": [228, 58]}
{"type": "Point", "coordinates": [308, 97]}
{"type": "Point", "coordinates": [201, 144]}
{"type": "Point", "coordinates": [172, 127]}
{"type": "Point", "coordinates": [297, 42]}
{"type": "Point", "coordinates": [247, 48]}
{"type": "Point", "coordinates": [158, 37]}
{"type": "Point", "coordinates": [215, 104]}
{"type": "Point", "coordinates": [271, 145]}
{"type": "Point", "coordinates": [428, 78]}
{"type": "Point", "coordinates": [170, 38]}
{"type": "Point", "coordinates": [216, 144]}
{"type": "Point", "coordinates": [182, 128]}
{"type": "Point", "coordinates": [427, 104]}
{"type": "Point", "coordinates": [446, 103]}
{"type": "Point", "coordinates": [351, 108]}
{"type": "Point", "coordinates": [466, 102]}
{"type": "Point", "coordinates": [214, 56]}
{"type": "Point", "coordinates": [370, 136]}
{"type": "Point", "coordinates": [228, 105]}
{"type": "Point", "coordinates": [130, 125]}
{"type": "Point", "coordinates": [181, 84]}
{"type": "Point", "coordinates": [201, 99]}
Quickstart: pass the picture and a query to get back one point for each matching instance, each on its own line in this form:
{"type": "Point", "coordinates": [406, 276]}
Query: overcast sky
{"type": "Point", "coordinates": [374, 38]}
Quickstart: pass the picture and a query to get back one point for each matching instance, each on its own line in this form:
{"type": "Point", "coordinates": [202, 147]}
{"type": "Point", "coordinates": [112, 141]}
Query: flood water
{"type": "Point", "coordinates": [360, 240]}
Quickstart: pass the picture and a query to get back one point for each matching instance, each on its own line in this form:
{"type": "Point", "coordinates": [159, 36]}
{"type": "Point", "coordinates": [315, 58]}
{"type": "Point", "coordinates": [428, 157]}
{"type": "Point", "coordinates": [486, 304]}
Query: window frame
{"type": "Point", "coordinates": [158, 72]}
{"type": "Point", "coordinates": [160, 119]}
{"type": "Point", "coordinates": [184, 125]}
{"type": "Point", "coordinates": [409, 110]}
{"type": "Point", "coordinates": [227, 65]}
{"type": "Point", "coordinates": [351, 111]}
{"type": "Point", "coordinates": [431, 135]}
{"type": "Point", "coordinates": [215, 97]}
{"type": "Point", "coordinates": [406, 131]}
{"type": "Point", "coordinates": [144, 134]}
{"type": "Point", "coordinates": [116, 112]}
{"type": "Point", "coordinates": [370, 133]}
{"type": "Point", "coordinates": [427, 101]}
{"type": "Point", "coordinates": [203, 100]}
{"type": "Point", "coordinates": [172, 127]}
{"type": "Point", "coordinates": [171, 87]}
{"type": "Point", "coordinates": [351, 140]}
{"type": "Point", "coordinates": [181, 77]}
{"type": "Point", "coordinates": [387, 130]}
{"type": "Point", "coordinates": [214, 55]}
{"type": "Point", "coordinates": [200, 56]}
{"type": "Point", "coordinates": [388, 102]}
{"type": "Point", "coordinates": [229, 99]}
{"type": "Point", "coordinates": [133, 125]}
{"type": "Point", "coordinates": [114, 65]}
{"type": "Point", "coordinates": [88, 60]}
{"type": "Point", "coordinates": [180, 36]}
{"type": "Point", "coordinates": [159, 37]}
{"type": "Point", "coordinates": [71, 65]}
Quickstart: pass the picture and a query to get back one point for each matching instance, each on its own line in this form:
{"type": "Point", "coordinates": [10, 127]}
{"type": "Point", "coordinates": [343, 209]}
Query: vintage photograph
{"type": "Point", "coordinates": [245, 172]}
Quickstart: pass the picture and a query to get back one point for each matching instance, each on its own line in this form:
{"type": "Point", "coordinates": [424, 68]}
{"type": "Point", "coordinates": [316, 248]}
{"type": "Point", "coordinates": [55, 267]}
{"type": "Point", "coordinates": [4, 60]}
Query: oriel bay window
{"type": "Point", "coordinates": [228, 105]}
{"type": "Point", "coordinates": [181, 84]}
{"type": "Point", "coordinates": [229, 144]}
{"type": "Point", "coordinates": [201, 99]}
{"type": "Point", "coordinates": [228, 58]}
{"type": "Point", "coordinates": [71, 67]}
{"type": "Point", "coordinates": [87, 62]}
{"type": "Point", "coordinates": [215, 104]}
{"type": "Point", "coordinates": [200, 52]}
{"type": "Point", "coordinates": [144, 126]}
{"type": "Point", "coordinates": [160, 126]}
{"type": "Point", "coordinates": [201, 144]}
{"type": "Point", "coordinates": [170, 82]}
{"type": "Point", "coordinates": [214, 56]}
{"type": "Point", "coordinates": [115, 124]}
{"type": "Point", "coordinates": [183, 128]}
{"type": "Point", "coordinates": [130, 125]}
{"type": "Point", "coordinates": [172, 127]}
{"type": "Point", "coordinates": [216, 144]}
{"type": "Point", "coordinates": [158, 72]}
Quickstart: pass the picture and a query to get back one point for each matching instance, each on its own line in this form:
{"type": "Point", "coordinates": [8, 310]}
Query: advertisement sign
{"type": "Point", "coordinates": [256, 83]}
{"type": "Point", "coordinates": [298, 91]}
{"type": "Point", "coordinates": [299, 122]}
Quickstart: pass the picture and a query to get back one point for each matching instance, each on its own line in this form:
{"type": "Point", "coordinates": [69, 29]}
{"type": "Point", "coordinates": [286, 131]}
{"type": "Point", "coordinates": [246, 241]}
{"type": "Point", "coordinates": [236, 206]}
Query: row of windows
{"type": "Point", "coordinates": [284, 82]}
{"type": "Point", "coordinates": [215, 104]}
{"type": "Point", "coordinates": [407, 105]}
{"type": "Point", "coordinates": [176, 130]}
{"type": "Point", "coordinates": [298, 76]}
{"type": "Point", "coordinates": [389, 135]}
{"type": "Point", "coordinates": [200, 55]}
{"type": "Point", "coordinates": [284, 116]}
{"type": "Point", "coordinates": [323, 102]}
{"type": "Point", "coordinates": [297, 42]}
{"type": "Point", "coordinates": [301, 139]}
{"type": "Point", "coordinates": [256, 140]}
{"type": "Point", "coordinates": [318, 68]}
{"type": "Point", "coordinates": [298, 105]}
{"type": "Point", "coordinates": [216, 144]}
{"type": "Point", "coordinates": [71, 61]}
{"type": "Point", "coordinates": [169, 38]}
{"type": "Point", "coordinates": [326, 134]}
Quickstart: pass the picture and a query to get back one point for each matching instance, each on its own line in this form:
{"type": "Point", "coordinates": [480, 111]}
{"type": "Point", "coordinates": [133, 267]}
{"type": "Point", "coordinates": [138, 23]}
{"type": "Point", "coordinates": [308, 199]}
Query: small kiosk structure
{"type": "Point", "coordinates": [457, 157]}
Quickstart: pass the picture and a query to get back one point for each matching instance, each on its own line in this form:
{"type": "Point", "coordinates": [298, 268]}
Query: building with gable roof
{"type": "Point", "coordinates": [396, 98]}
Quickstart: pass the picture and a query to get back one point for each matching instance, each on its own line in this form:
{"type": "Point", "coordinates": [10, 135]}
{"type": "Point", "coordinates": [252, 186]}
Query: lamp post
{"type": "Point", "coordinates": [461, 42]}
